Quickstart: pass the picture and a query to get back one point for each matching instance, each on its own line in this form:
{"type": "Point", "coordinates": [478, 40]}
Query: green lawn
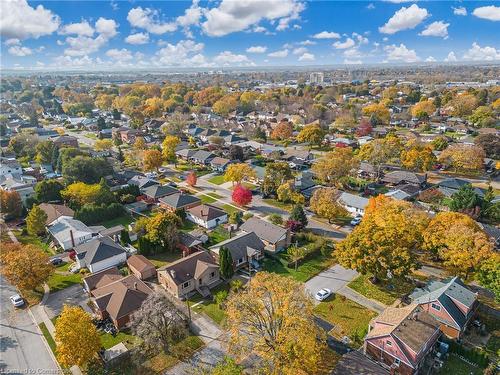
{"type": "Point", "coordinates": [273, 202]}
{"type": "Point", "coordinates": [124, 220]}
{"type": "Point", "coordinates": [349, 318]}
{"type": "Point", "coordinates": [58, 281]}
{"type": "Point", "coordinates": [188, 226]}
{"type": "Point", "coordinates": [108, 341]}
{"type": "Point", "coordinates": [217, 180]}
{"type": "Point", "coordinates": [304, 271]}
{"type": "Point", "coordinates": [206, 199]}
{"type": "Point", "coordinates": [230, 209]}
{"type": "Point", "coordinates": [28, 239]}
{"type": "Point", "coordinates": [380, 292]}
{"type": "Point", "coordinates": [215, 195]}
{"type": "Point", "coordinates": [163, 259]}
{"type": "Point", "coordinates": [217, 235]}
{"type": "Point", "coordinates": [456, 366]}
{"type": "Point", "coordinates": [210, 308]}
{"type": "Point", "coordinates": [48, 337]}
{"type": "Point", "coordinates": [64, 266]}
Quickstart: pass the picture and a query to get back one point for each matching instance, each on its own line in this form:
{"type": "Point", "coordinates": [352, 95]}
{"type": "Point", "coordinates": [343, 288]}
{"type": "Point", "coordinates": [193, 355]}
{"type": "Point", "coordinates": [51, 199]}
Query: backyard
{"type": "Point", "coordinates": [27, 239]}
{"type": "Point", "coordinates": [162, 259]}
{"type": "Point", "coordinates": [217, 179]}
{"type": "Point", "coordinates": [58, 281]}
{"type": "Point", "coordinates": [456, 366]}
{"type": "Point", "coordinates": [385, 291]}
{"type": "Point", "coordinates": [108, 340]}
{"type": "Point", "coordinates": [124, 220]}
{"type": "Point", "coordinates": [209, 307]}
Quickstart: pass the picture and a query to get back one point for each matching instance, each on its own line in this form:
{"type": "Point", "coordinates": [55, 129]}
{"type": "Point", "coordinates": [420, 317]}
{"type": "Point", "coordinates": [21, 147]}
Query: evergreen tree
{"type": "Point", "coordinates": [120, 155]}
{"type": "Point", "coordinates": [465, 198]}
{"type": "Point", "coordinates": [101, 123]}
{"type": "Point", "coordinates": [299, 215]}
{"type": "Point", "coordinates": [55, 158]}
{"type": "Point", "coordinates": [226, 263]}
{"type": "Point", "coordinates": [124, 237]}
{"type": "Point", "coordinates": [116, 114]}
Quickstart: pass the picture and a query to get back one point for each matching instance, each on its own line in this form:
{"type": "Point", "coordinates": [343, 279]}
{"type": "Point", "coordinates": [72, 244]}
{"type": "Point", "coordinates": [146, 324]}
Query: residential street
{"type": "Point", "coordinates": [22, 350]}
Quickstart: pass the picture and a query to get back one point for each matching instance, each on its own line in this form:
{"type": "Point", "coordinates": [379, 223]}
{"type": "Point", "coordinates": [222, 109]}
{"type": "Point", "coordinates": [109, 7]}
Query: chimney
{"type": "Point", "coordinates": [202, 213]}
{"type": "Point", "coordinates": [172, 272]}
{"type": "Point", "coordinates": [72, 238]}
{"type": "Point", "coordinates": [135, 286]}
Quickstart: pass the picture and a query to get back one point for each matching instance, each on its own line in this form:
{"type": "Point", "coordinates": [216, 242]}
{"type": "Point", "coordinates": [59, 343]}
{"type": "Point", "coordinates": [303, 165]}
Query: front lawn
{"type": "Point", "coordinates": [206, 199]}
{"type": "Point", "coordinates": [217, 180]}
{"type": "Point", "coordinates": [230, 209]}
{"type": "Point", "coordinates": [108, 340]}
{"type": "Point", "coordinates": [305, 271]}
{"type": "Point", "coordinates": [48, 337]}
{"type": "Point", "coordinates": [210, 308]}
{"type": "Point", "coordinates": [27, 239]}
{"type": "Point", "coordinates": [273, 202]}
{"type": "Point", "coordinates": [124, 220]}
{"type": "Point", "coordinates": [385, 291]}
{"type": "Point", "coordinates": [456, 366]}
{"type": "Point", "coordinates": [349, 318]}
{"type": "Point", "coordinates": [59, 281]}
{"type": "Point", "coordinates": [215, 195]}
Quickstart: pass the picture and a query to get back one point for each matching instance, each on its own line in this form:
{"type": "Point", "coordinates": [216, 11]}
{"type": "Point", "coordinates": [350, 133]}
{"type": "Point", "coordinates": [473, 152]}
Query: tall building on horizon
{"type": "Point", "coordinates": [316, 78]}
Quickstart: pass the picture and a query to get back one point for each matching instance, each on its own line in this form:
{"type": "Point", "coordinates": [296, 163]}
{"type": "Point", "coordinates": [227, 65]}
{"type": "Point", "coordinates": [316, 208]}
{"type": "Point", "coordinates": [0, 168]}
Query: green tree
{"type": "Point", "coordinates": [276, 174]}
{"type": "Point", "coordinates": [489, 275]}
{"type": "Point", "coordinates": [48, 191]}
{"type": "Point", "coordinates": [227, 366]}
{"type": "Point", "coordinates": [299, 215]}
{"type": "Point", "coordinates": [44, 151]}
{"type": "Point", "coordinates": [296, 253]}
{"type": "Point", "coordinates": [225, 263]}
{"type": "Point", "coordinates": [465, 199]}
{"type": "Point", "coordinates": [35, 221]}
{"type": "Point", "coordinates": [124, 237]}
{"type": "Point", "coordinates": [86, 169]}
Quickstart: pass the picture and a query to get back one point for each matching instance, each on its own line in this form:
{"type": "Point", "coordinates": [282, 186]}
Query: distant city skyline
{"type": "Point", "coordinates": [95, 35]}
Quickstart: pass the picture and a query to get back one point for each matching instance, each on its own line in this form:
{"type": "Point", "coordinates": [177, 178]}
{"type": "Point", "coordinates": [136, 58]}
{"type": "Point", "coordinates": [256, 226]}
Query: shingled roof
{"type": "Point", "coordinates": [98, 249]}
{"type": "Point", "coordinates": [265, 230]}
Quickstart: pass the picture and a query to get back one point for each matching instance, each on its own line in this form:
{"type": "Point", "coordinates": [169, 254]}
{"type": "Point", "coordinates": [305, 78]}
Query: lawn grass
{"type": "Point", "coordinates": [124, 220]}
{"type": "Point", "coordinates": [210, 308]}
{"type": "Point", "coordinates": [187, 226]}
{"type": "Point", "coordinates": [217, 180]}
{"type": "Point", "coordinates": [230, 209]}
{"type": "Point", "coordinates": [381, 292]}
{"type": "Point", "coordinates": [217, 235]}
{"type": "Point", "coordinates": [64, 266]}
{"type": "Point", "coordinates": [349, 318]}
{"type": "Point", "coordinates": [48, 337]}
{"type": "Point", "coordinates": [454, 365]}
{"type": "Point", "coordinates": [273, 202]}
{"type": "Point", "coordinates": [59, 281]}
{"type": "Point", "coordinates": [160, 260]}
{"type": "Point", "coordinates": [304, 271]}
{"type": "Point", "coordinates": [215, 195]}
{"type": "Point", "coordinates": [206, 199]}
{"type": "Point", "coordinates": [108, 340]}
{"type": "Point", "coordinates": [27, 239]}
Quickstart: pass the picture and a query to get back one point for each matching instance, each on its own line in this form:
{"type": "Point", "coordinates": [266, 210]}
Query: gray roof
{"type": "Point", "coordinates": [241, 246]}
{"type": "Point", "coordinates": [397, 177]}
{"type": "Point", "coordinates": [179, 200]}
{"type": "Point", "coordinates": [202, 155]}
{"type": "Point", "coordinates": [158, 191]}
{"type": "Point", "coordinates": [352, 200]}
{"type": "Point", "coordinates": [98, 249]}
{"type": "Point", "coordinates": [142, 182]}
{"type": "Point", "coordinates": [356, 363]}
{"type": "Point", "coordinates": [264, 230]}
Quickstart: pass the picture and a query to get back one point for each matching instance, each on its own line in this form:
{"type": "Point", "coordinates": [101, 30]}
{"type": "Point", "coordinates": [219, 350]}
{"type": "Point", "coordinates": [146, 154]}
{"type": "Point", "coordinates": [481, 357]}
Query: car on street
{"type": "Point", "coordinates": [323, 294]}
{"type": "Point", "coordinates": [356, 221]}
{"type": "Point", "coordinates": [56, 261]}
{"type": "Point", "coordinates": [17, 300]}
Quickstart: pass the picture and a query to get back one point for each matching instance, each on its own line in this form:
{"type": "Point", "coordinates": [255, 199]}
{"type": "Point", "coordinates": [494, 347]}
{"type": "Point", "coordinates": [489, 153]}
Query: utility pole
{"type": "Point", "coordinates": [189, 309]}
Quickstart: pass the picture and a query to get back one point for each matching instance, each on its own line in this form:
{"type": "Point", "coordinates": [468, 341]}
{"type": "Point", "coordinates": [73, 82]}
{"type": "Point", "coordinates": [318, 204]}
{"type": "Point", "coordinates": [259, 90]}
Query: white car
{"type": "Point", "coordinates": [74, 268]}
{"type": "Point", "coordinates": [356, 221]}
{"type": "Point", "coordinates": [323, 294]}
{"type": "Point", "coordinates": [17, 300]}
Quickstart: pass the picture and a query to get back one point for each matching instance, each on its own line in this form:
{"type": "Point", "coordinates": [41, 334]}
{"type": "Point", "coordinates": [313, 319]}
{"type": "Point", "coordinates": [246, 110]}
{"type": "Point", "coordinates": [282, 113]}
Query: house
{"type": "Point", "coordinates": [101, 278]}
{"type": "Point", "coordinates": [244, 248]}
{"type": "Point", "coordinates": [196, 272]}
{"type": "Point", "coordinates": [66, 141]}
{"type": "Point", "coordinates": [450, 302]}
{"type": "Point", "coordinates": [189, 243]}
{"type": "Point", "coordinates": [118, 299]}
{"type": "Point", "coordinates": [185, 153]}
{"type": "Point", "coordinates": [356, 363]}
{"type": "Point", "coordinates": [55, 211]}
{"type": "Point", "coordinates": [202, 157]}
{"type": "Point", "coordinates": [142, 182]}
{"type": "Point", "coordinates": [23, 185]}
{"type": "Point", "coordinates": [353, 203]}
{"type": "Point", "coordinates": [402, 338]}
{"type": "Point", "coordinates": [10, 167]}
{"type": "Point", "coordinates": [206, 216]}
{"type": "Point", "coordinates": [179, 201]}
{"type": "Point", "coordinates": [450, 186]}
{"type": "Point", "coordinates": [155, 192]}
{"type": "Point", "coordinates": [274, 237]}
{"type": "Point", "coordinates": [69, 233]}
{"type": "Point", "coordinates": [219, 164]}
{"type": "Point", "coordinates": [367, 170]}
{"type": "Point", "coordinates": [141, 267]}
{"type": "Point", "coordinates": [493, 233]}
{"type": "Point", "coordinates": [404, 177]}
{"type": "Point", "coordinates": [99, 254]}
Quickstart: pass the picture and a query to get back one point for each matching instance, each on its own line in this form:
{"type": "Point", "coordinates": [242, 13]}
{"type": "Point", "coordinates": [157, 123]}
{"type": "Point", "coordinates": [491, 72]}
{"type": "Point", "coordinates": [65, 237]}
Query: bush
{"type": "Point", "coordinates": [220, 297]}
{"type": "Point", "coordinates": [235, 217]}
{"type": "Point", "coordinates": [236, 285]}
{"type": "Point", "coordinates": [276, 219]}
{"type": "Point", "coordinates": [247, 216]}
{"type": "Point", "coordinates": [92, 214]}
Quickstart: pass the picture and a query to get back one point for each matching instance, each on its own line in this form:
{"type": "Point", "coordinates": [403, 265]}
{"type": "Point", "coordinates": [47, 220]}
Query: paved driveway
{"type": "Point", "coordinates": [73, 295]}
{"type": "Point", "coordinates": [334, 278]}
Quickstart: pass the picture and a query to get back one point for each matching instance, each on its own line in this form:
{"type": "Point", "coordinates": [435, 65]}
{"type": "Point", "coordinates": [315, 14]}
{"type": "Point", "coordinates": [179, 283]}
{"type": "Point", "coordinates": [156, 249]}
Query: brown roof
{"type": "Point", "coordinates": [206, 212]}
{"type": "Point", "coordinates": [55, 211]}
{"type": "Point", "coordinates": [140, 263]}
{"type": "Point", "coordinates": [189, 267]}
{"type": "Point", "coordinates": [102, 278]}
{"type": "Point", "coordinates": [355, 363]}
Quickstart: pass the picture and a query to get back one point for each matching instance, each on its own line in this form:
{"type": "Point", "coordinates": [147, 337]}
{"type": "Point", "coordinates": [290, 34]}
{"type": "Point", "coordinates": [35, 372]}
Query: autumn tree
{"type": "Point", "coordinates": [298, 215]}
{"type": "Point", "coordinates": [24, 266]}
{"type": "Point", "coordinates": [161, 229]}
{"type": "Point", "coordinates": [225, 105]}
{"type": "Point", "coordinates": [191, 178]}
{"type": "Point", "coordinates": [489, 275]}
{"type": "Point", "coordinates": [364, 128]}
{"type": "Point", "coordinates": [169, 145]}
{"type": "Point", "coordinates": [324, 204]}
{"type": "Point", "coordinates": [226, 263]}
{"type": "Point", "coordinates": [334, 167]}
{"type": "Point", "coordinates": [153, 107]}
{"type": "Point", "coordinates": [463, 105]}
{"type": "Point", "coordinates": [238, 172]}
{"type": "Point", "coordinates": [458, 241]}
{"type": "Point", "coordinates": [103, 145]}
{"type": "Point", "coordinates": [463, 158]}
{"type": "Point", "coordinates": [490, 143]}
{"type": "Point", "coordinates": [79, 194]}
{"type": "Point", "coordinates": [381, 151]}
{"type": "Point", "coordinates": [139, 144]}
{"type": "Point", "coordinates": [159, 324]}
{"type": "Point", "coordinates": [386, 239]}
{"type": "Point", "coordinates": [10, 203]}
{"type": "Point", "coordinates": [241, 195]}
{"type": "Point", "coordinates": [440, 143]}
{"type": "Point", "coordinates": [312, 134]}
{"type": "Point", "coordinates": [276, 174]}
{"type": "Point", "coordinates": [76, 336]}
{"type": "Point", "coordinates": [273, 318]}
{"type": "Point", "coordinates": [418, 157]}
{"type": "Point", "coordinates": [44, 152]}
{"type": "Point", "coordinates": [296, 253]}
{"type": "Point", "coordinates": [286, 193]}
{"type": "Point", "coordinates": [380, 111]}
{"type": "Point", "coordinates": [423, 109]}
{"type": "Point", "coordinates": [35, 221]}
{"type": "Point", "coordinates": [483, 117]}
{"type": "Point", "coordinates": [282, 131]}
{"type": "Point", "coordinates": [152, 160]}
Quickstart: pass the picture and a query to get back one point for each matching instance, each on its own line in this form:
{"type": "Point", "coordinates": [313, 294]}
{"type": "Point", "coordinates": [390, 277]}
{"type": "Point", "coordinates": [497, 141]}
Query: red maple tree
{"type": "Point", "coordinates": [364, 128]}
{"type": "Point", "coordinates": [241, 195]}
{"type": "Point", "coordinates": [191, 178]}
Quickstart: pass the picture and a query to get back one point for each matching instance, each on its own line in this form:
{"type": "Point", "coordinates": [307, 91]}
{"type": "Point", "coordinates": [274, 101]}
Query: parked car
{"type": "Point", "coordinates": [323, 294]}
{"type": "Point", "coordinates": [74, 268]}
{"type": "Point", "coordinates": [17, 300]}
{"type": "Point", "coordinates": [356, 221]}
{"type": "Point", "coordinates": [56, 261]}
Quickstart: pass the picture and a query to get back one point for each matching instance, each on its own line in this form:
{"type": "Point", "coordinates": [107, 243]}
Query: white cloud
{"type": "Point", "coordinates": [299, 50]}
{"type": "Point", "coordinates": [191, 15]}
{"type": "Point", "coordinates": [137, 38]}
{"type": "Point", "coordinates": [259, 29]}
{"type": "Point", "coordinates": [75, 62]}
{"type": "Point", "coordinates": [344, 45]}
{"type": "Point", "coordinates": [307, 57]}
{"type": "Point", "coordinates": [405, 18]}
{"type": "Point", "coordinates": [19, 20]}
{"type": "Point", "coordinates": [478, 53]}
{"type": "Point", "coordinates": [20, 51]}
{"type": "Point", "coordinates": [437, 28]}
{"type": "Point", "coordinates": [360, 38]}
{"type": "Point", "coordinates": [430, 59]}
{"type": "Point", "coordinates": [279, 54]}
{"type": "Point", "coordinates": [149, 20]}
{"type": "Point", "coordinates": [81, 28]}
{"type": "Point", "coordinates": [326, 35]}
{"type": "Point", "coordinates": [401, 53]}
{"type": "Point", "coordinates": [83, 45]}
{"type": "Point", "coordinates": [12, 42]}
{"type": "Point", "coordinates": [307, 43]}
{"type": "Point", "coordinates": [106, 27]}
{"type": "Point", "coordinates": [119, 54]}
{"type": "Point", "coordinates": [232, 16]}
{"type": "Point", "coordinates": [184, 53]}
{"type": "Point", "coordinates": [256, 49]}
{"type": "Point", "coordinates": [451, 57]}
{"type": "Point", "coordinates": [352, 52]}
{"type": "Point", "coordinates": [114, 5]}
{"type": "Point", "coordinates": [229, 58]}
{"type": "Point", "coordinates": [459, 11]}
{"type": "Point", "coordinates": [490, 12]}
{"type": "Point", "coordinates": [370, 6]}
{"type": "Point", "coordinates": [352, 62]}
{"type": "Point", "coordinates": [400, 1]}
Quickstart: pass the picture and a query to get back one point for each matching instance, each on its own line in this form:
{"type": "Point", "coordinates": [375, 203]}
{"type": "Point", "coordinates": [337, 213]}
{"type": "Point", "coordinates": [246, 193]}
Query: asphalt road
{"type": "Point", "coordinates": [22, 350]}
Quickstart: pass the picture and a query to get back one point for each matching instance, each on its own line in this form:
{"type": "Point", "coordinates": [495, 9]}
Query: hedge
{"type": "Point", "coordinates": [92, 214]}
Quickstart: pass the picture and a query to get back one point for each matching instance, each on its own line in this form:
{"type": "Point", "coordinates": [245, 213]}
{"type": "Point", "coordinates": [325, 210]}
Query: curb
{"type": "Point", "coordinates": [51, 353]}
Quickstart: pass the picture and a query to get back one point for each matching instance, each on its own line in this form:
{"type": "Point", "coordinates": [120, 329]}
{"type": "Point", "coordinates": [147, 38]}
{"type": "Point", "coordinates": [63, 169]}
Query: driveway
{"type": "Point", "coordinates": [73, 295]}
{"type": "Point", "coordinates": [334, 278]}
{"type": "Point", "coordinates": [22, 350]}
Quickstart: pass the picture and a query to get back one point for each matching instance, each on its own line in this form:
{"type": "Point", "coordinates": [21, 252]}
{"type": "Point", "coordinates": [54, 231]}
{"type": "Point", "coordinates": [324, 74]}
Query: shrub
{"type": "Point", "coordinates": [247, 216]}
{"type": "Point", "coordinates": [236, 285]}
{"type": "Point", "coordinates": [220, 297]}
{"type": "Point", "coordinates": [276, 219]}
{"type": "Point", "coordinates": [92, 214]}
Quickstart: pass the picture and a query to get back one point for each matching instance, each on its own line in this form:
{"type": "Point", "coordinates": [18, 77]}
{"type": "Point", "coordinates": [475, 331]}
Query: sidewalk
{"type": "Point", "coordinates": [362, 300]}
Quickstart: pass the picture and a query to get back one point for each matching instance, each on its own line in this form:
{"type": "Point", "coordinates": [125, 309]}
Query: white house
{"type": "Point", "coordinates": [206, 216]}
{"type": "Point", "coordinates": [353, 203]}
{"type": "Point", "coordinates": [99, 254]}
{"type": "Point", "coordinates": [10, 167]}
{"type": "Point", "coordinates": [69, 232]}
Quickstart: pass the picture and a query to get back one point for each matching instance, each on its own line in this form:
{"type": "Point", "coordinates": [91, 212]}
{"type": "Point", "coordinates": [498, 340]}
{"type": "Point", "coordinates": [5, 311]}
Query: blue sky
{"type": "Point", "coordinates": [143, 34]}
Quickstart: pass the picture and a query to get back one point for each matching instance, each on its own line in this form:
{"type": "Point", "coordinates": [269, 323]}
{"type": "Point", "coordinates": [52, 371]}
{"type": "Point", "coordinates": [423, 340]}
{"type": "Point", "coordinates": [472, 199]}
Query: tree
{"type": "Point", "coordinates": [241, 195]}
{"type": "Point", "coordinates": [236, 153]}
{"type": "Point", "coordinates": [440, 143]}
{"type": "Point", "coordinates": [152, 160]}
{"type": "Point", "coordinates": [276, 174]}
{"type": "Point", "coordinates": [48, 190]}
{"type": "Point", "coordinates": [161, 229]}
{"type": "Point", "coordinates": [272, 317]}
{"type": "Point", "coordinates": [169, 145]}
{"type": "Point", "coordinates": [282, 131]}
{"type": "Point", "coordinates": [423, 109]}
{"type": "Point", "coordinates": [286, 193]}
{"type": "Point", "coordinates": [312, 134]}
{"type": "Point", "coordinates": [79, 194]}
{"type": "Point", "coordinates": [464, 158]}
{"type": "Point", "coordinates": [466, 200]}
{"type": "Point", "coordinates": [458, 241]}
{"type": "Point", "coordinates": [125, 237]}
{"type": "Point", "coordinates": [191, 178]}
{"type": "Point", "coordinates": [101, 123]}
{"type": "Point", "coordinates": [380, 151]}
{"type": "Point", "coordinates": [86, 169]}
{"type": "Point", "coordinates": [103, 145]}
{"type": "Point", "coordinates": [227, 366]}
{"type": "Point", "coordinates": [159, 324]}
{"type": "Point", "coordinates": [385, 240]}
{"type": "Point", "coordinates": [77, 338]}
{"type": "Point", "coordinates": [482, 117]}
{"type": "Point", "coordinates": [463, 105]}
{"type": "Point", "coordinates": [418, 157]}
{"type": "Point", "coordinates": [490, 143]}
{"type": "Point", "coordinates": [489, 275]}
{"type": "Point", "coordinates": [297, 214]}
{"type": "Point", "coordinates": [44, 151]}
{"type": "Point", "coordinates": [324, 204]}
{"type": "Point", "coordinates": [226, 263]}
{"type": "Point", "coordinates": [238, 172]}
{"type": "Point", "coordinates": [364, 128]}
{"type": "Point", "coordinates": [276, 219]}
{"type": "Point", "coordinates": [379, 110]}
{"type": "Point", "coordinates": [334, 167]}
{"type": "Point", "coordinates": [10, 203]}
{"type": "Point", "coordinates": [139, 144]}
{"type": "Point", "coordinates": [35, 221]}
{"type": "Point", "coordinates": [25, 266]}
{"type": "Point", "coordinates": [296, 253]}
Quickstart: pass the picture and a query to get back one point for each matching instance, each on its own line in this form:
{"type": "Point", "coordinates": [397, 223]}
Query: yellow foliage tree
{"type": "Point", "coordinates": [152, 160]}
{"type": "Point", "coordinates": [424, 108]}
{"type": "Point", "coordinates": [140, 144]}
{"type": "Point", "coordinates": [153, 107]}
{"type": "Point", "coordinates": [35, 221]}
{"type": "Point", "coordinates": [379, 110]}
{"type": "Point", "coordinates": [324, 204]}
{"type": "Point", "coordinates": [282, 131]}
{"type": "Point", "coordinates": [418, 157]}
{"type": "Point", "coordinates": [77, 338]}
{"type": "Point", "coordinates": [103, 145]}
{"type": "Point", "coordinates": [465, 158]}
{"type": "Point", "coordinates": [286, 193]}
{"type": "Point", "coordinates": [168, 147]}
{"type": "Point", "coordinates": [238, 172]}
{"type": "Point", "coordinates": [335, 166]}
{"type": "Point", "coordinates": [312, 133]}
{"type": "Point", "coordinates": [464, 104]}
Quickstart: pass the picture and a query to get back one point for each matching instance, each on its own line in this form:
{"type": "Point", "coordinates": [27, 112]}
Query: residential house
{"type": "Point", "coordinates": [185, 153]}
{"type": "Point", "coordinates": [493, 233]}
{"type": "Point", "coordinates": [202, 157]}
{"type": "Point", "coordinates": [245, 248]}
{"type": "Point", "coordinates": [401, 339]}
{"type": "Point", "coordinates": [119, 299]}
{"type": "Point", "coordinates": [191, 242]}
{"type": "Point", "coordinates": [196, 272]}
{"type": "Point", "coordinates": [450, 302]}
{"type": "Point", "coordinates": [395, 178]}
{"type": "Point", "coordinates": [55, 211]}
{"type": "Point", "coordinates": [23, 185]}
{"type": "Point", "coordinates": [66, 141]}
{"type": "Point", "coordinates": [206, 216]}
{"type": "Point", "coordinates": [355, 204]}
{"type": "Point", "coordinates": [69, 233]}
{"type": "Point", "coordinates": [219, 164]}
{"type": "Point", "coordinates": [356, 363]}
{"type": "Point", "coordinates": [100, 253]}
{"type": "Point", "coordinates": [179, 201]}
{"type": "Point", "coordinates": [367, 170]}
{"type": "Point", "coordinates": [450, 186]}
{"type": "Point", "coordinates": [274, 237]}
{"type": "Point", "coordinates": [155, 192]}
{"type": "Point", "coordinates": [141, 267]}
{"type": "Point", "coordinates": [10, 167]}
{"type": "Point", "coordinates": [142, 182]}
{"type": "Point", "coordinates": [101, 278]}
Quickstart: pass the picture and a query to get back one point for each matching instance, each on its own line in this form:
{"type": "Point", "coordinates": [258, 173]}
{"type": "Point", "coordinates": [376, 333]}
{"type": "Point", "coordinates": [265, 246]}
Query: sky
{"type": "Point", "coordinates": [96, 35]}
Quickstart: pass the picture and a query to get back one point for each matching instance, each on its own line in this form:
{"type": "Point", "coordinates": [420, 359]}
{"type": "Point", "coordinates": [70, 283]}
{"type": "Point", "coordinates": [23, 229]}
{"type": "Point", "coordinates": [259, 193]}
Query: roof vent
{"type": "Point", "coordinates": [172, 272]}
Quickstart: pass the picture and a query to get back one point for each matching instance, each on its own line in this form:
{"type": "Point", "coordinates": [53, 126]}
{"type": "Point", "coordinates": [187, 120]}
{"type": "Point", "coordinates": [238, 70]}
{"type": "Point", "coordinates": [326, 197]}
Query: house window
{"type": "Point", "coordinates": [435, 306]}
{"type": "Point", "coordinates": [212, 275]}
{"type": "Point", "coordinates": [241, 260]}
{"type": "Point", "coordinates": [397, 361]}
{"type": "Point", "coordinates": [185, 285]}
{"type": "Point", "coordinates": [389, 343]}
